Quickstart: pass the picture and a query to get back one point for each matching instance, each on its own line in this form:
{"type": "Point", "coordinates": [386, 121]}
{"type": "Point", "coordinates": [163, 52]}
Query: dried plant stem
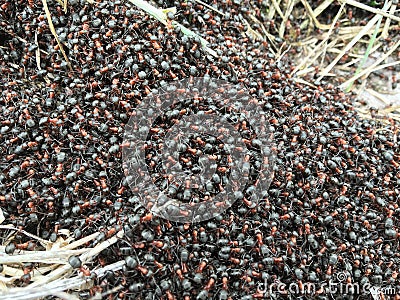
{"type": "Point", "coordinates": [288, 11]}
{"type": "Point", "coordinates": [11, 227]}
{"type": "Point", "coordinates": [367, 52]}
{"type": "Point", "coordinates": [58, 287]}
{"type": "Point", "coordinates": [374, 67]}
{"type": "Point", "coordinates": [53, 31]}
{"type": "Point", "coordinates": [324, 5]}
{"type": "Point", "coordinates": [385, 30]}
{"type": "Point", "coordinates": [376, 11]}
{"type": "Point", "coordinates": [275, 7]}
{"type": "Point", "coordinates": [161, 16]}
{"type": "Point", "coordinates": [323, 43]}
{"type": "Point", "coordinates": [209, 6]}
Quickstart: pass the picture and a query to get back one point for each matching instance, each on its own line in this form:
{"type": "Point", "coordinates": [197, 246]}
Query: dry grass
{"type": "Point", "coordinates": [343, 41]}
{"type": "Point", "coordinates": [338, 51]}
{"type": "Point", "coordinates": [53, 275]}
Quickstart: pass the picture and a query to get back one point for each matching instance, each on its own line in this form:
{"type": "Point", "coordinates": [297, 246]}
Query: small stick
{"type": "Point", "coordinates": [11, 227]}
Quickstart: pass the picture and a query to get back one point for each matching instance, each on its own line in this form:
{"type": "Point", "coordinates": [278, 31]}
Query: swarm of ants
{"type": "Point", "coordinates": [332, 206]}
